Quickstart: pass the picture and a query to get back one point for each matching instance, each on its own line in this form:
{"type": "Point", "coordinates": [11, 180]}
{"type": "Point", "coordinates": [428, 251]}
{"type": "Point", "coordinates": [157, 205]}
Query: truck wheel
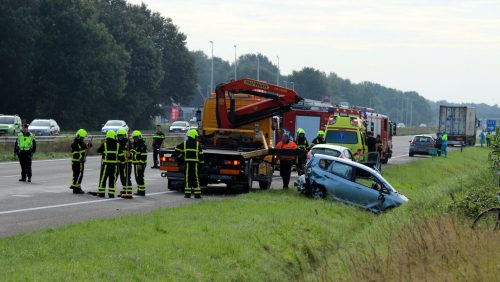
{"type": "Point", "coordinates": [264, 185]}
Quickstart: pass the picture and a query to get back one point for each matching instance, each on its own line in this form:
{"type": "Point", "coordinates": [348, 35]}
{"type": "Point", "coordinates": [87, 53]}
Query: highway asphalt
{"type": "Point", "coordinates": [48, 201]}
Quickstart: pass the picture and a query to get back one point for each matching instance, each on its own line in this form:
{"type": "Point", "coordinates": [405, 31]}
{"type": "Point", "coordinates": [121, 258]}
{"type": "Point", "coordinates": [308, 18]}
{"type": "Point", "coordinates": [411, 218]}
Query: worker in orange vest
{"type": "Point", "coordinates": [286, 162]}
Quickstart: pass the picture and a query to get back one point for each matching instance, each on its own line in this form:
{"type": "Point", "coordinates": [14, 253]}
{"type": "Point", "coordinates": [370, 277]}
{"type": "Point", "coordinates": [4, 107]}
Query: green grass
{"type": "Point", "coordinates": [271, 235]}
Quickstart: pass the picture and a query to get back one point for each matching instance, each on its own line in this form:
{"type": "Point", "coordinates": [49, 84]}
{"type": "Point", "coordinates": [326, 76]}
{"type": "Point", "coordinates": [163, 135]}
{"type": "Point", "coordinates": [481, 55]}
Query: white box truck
{"type": "Point", "coordinates": [460, 123]}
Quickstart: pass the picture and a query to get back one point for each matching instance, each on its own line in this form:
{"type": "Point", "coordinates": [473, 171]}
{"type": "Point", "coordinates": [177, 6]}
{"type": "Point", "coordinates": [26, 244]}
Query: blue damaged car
{"type": "Point", "coordinates": [349, 182]}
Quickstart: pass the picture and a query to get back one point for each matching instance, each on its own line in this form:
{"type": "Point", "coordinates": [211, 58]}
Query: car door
{"type": "Point", "coordinates": [368, 189]}
{"type": "Point", "coordinates": [339, 182]}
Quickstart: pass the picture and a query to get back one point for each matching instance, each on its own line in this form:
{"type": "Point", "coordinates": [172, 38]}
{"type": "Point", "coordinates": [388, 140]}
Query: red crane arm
{"type": "Point", "coordinates": [279, 100]}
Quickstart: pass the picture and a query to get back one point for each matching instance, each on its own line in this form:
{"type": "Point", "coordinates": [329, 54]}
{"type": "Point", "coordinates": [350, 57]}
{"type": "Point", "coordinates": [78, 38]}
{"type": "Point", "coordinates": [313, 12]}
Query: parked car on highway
{"type": "Point", "coordinates": [179, 126]}
{"type": "Point", "coordinates": [10, 124]}
{"type": "Point", "coordinates": [420, 145]}
{"type": "Point", "coordinates": [114, 125]}
{"type": "Point", "coordinates": [423, 125]}
{"type": "Point", "coordinates": [331, 150]}
{"type": "Point", "coordinates": [44, 127]}
{"type": "Point", "coordinates": [401, 125]}
{"type": "Point", "coordinates": [349, 182]}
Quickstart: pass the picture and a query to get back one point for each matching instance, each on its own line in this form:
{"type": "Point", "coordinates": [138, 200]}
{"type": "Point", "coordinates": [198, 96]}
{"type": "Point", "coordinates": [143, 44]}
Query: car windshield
{"type": "Point", "coordinates": [341, 137]}
{"type": "Point", "coordinates": [113, 123]}
{"type": "Point", "coordinates": [179, 123]}
{"type": "Point", "coordinates": [422, 139]}
{"type": "Point", "coordinates": [40, 123]}
{"type": "Point", "coordinates": [7, 120]}
{"type": "Point", "coordinates": [325, 151]}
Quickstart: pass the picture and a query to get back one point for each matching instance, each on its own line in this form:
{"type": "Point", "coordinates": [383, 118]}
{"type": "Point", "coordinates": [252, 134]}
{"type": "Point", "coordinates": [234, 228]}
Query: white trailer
{"type": "Point", "coordinates": [459, 123]}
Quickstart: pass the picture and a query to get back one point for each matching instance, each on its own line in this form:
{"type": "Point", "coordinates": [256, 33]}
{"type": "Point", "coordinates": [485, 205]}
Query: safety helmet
{"type": "Point", "coordinates": [81, 133]}
{"type": "Point", "coordinates": [111, 134]}
{"type": "Point", "coordinates": [122, 131]}
{"type": "Point", "coordinates": [136, 133]}
{"type": "Point", "coordinates": [321, 133]}
{"type": "Point", "coordinates": [192, 133]}
{"type": "Point", "coordinates": [300, 130]}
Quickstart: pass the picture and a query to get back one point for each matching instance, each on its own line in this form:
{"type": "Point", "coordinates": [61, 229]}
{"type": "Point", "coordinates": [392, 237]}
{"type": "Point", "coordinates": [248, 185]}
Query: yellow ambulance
{"type": "Point", "coordinates": [348, 131]}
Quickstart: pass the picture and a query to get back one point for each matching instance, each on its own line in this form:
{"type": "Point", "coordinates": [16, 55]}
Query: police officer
{"type": "Point", "coordinates": [320, 139]}
{"type": "Point", "coordinates": [78, 157]}
{"type": "Point", "coordinates": [139, 154]}
{"type": "Point", "coordinates": [158, 138]}
{"type": "Point", "coordinates": [190, 150]}
{"type": "Point", "coordinates": [24, 148]}
{"type": "Point", "coordinates": [286, 161]}
{"type": "Point", "coordinates": [124, 166]}
{"type": "Point", "coordinates": [302, 145]}
{"type": "Point", "coordinates": [109, 150]}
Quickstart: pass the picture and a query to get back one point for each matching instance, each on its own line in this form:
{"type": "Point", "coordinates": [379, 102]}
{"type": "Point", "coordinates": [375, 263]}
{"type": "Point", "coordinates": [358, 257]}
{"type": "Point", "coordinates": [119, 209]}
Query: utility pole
{"type": "Point", "coordinates": [278, 72]}
{"type": "Point", "coordinates": [212, 72]}
{"type": "Point", "coordinates": [411, 113]}
{"type": "Point", "coordinates": [235, 62]}
{"type": "Point", "coordinates": [258, 67]}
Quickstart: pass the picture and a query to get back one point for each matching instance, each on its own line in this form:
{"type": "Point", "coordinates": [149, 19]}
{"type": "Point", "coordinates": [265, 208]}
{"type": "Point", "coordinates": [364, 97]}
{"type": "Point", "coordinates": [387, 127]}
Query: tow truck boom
{"type": "Point", "coordinates": [279, 100]}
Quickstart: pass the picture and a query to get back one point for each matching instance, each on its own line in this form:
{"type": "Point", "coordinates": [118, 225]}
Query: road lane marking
{"type": "Point", "coordinates": [397, 157]}
{"type": "Point", "coordinates": [22, 196]}
{"type": "Point", "coordinates": [53, 160]}
{"type": "Point", "coordinates": [10, 175]}
{"type": "Point", "coordinates": [75, 204]}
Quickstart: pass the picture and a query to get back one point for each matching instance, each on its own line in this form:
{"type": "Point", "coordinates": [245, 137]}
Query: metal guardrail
{"type": "Point", "coordinates": [12, 139]}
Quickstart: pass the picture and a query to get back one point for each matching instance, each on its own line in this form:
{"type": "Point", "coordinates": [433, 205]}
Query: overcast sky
{"type": "Point", "coordinates": [441, 49]}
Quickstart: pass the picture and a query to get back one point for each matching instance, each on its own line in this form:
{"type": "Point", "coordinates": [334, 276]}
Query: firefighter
{"type": "Point", "coordinates": [286, 162]}
{"type": "Point", "coordinates": [320, 139]}
{"type": "Point", "coordinates": [190, 150]}
{"type": "Point", "coordinates": [158, 138]}
{"type": "Point", "coordinates": [78, 158]}
{"type": "Point", "coordinates": [302, 145]}
{"type": "Point", "coordinates": [139, 154]}
{"type": "Point", "coordinates": [24, 149]}
{"type": "Point", "coordinates": [124, 166]}
{"type": "Point", "coordinates": [109, 150]}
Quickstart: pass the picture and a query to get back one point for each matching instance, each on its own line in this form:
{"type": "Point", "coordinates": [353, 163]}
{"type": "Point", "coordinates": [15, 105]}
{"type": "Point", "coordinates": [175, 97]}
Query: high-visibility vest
{"type": "Point", "coordinates": [191, 154]}
{"type": "Point", "coordinates": [445, 138]}
{"type": "Point", "coordinates": [289, 145]}
{"type": "Point", "coordinates": [110, 156]}
{"type": "Point", "coordinates": [77, 156]}
{"type": "Point", "coordinates": [25, 143]}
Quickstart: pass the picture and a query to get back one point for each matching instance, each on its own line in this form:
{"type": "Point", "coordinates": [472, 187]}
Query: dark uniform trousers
{"type": "Point", "coordinates": [77, 168]}
{"type": "Point", "coordinates": [25, 162]}
{"type": "Point", "coordinates": [139, 169]}
{"type": "Point", "coordinates": [108, 174]}
{"type": "Point", "coordinates": [285, 171]}
{"type": "Point", "coordinates": [125, 170]}
{"type": "Point", "coordinates": [192, 180]}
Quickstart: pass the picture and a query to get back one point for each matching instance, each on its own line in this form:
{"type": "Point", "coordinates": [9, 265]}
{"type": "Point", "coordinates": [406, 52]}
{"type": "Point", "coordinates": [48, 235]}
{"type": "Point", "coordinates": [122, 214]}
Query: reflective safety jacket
{"type": "Point", "coordinates": [78, 150]}
{"type": "Point", "coordinates": [109, 151]}
{"type": "Point", "coordinates": [302, 143]}
{"type": "Point", "coordinates": [124, 148]}
{"type": "Point", "coordinates": [158, 138]}
{"type": "Point", "coordinates": [190, 150]}
{"type": "Point", "coordinates": [25, 143]}
{"type": "Point", "coordinates": [318, 140]}
{"type": "Point", "coordinates": [289, 145]}
{"type": "Point", "coordinates": [139, 152]}
{"type": "Point", "coordinates": [444, 138]}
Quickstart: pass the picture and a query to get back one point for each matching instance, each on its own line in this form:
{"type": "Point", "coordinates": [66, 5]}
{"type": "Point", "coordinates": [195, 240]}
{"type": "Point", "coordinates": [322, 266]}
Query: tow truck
{"type": "Point", "coordinates": [236, 134]}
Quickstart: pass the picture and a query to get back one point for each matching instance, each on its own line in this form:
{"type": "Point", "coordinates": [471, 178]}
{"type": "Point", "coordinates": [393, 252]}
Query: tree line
{"type": "Point", "coordinates": [84, 62]}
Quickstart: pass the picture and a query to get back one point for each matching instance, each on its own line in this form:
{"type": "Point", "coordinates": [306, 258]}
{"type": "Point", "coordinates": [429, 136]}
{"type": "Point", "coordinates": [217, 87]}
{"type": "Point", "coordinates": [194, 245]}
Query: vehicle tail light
{"type": "Point", "coordinates": [232, 162]}
{"type": "Point", "coordinates": [166, 159]}
{"type": "Point", "coordinates": [412, 142]}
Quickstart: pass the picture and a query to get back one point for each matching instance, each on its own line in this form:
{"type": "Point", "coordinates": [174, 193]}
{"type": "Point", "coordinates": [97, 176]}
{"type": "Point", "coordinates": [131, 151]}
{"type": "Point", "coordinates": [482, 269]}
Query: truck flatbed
{"type": "Point", "coordinates": [244, 154]}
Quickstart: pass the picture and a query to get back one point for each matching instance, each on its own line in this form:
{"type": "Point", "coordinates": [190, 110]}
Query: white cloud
{"type": "Point", "coordinates": [442, 48]}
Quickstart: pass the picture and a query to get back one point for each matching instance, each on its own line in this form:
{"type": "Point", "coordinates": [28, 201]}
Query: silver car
{"type": "Point", "coordinates": [44, 127]}
{"type": "Point", "coordinates": [349, 182]}
{"type": "Point", "coordinates": [114, 125]}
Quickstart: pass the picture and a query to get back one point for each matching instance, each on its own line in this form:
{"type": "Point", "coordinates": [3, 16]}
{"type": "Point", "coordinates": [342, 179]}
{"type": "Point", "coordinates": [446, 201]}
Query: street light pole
{"type": "Point", "coordinates": [411, 113]}
{"type": "Point", "coordinates": [235, 62]}
{"type": "Point", "coordinates": [258, 67]}
{"type": "Point", "coordinates": [212, 72]}
{"type": "Point", "coordinates": [278, 72]}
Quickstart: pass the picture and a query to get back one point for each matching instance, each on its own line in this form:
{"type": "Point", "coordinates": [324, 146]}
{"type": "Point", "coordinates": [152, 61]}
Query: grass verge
{"type": "Point", "coordinates": [272, 235]}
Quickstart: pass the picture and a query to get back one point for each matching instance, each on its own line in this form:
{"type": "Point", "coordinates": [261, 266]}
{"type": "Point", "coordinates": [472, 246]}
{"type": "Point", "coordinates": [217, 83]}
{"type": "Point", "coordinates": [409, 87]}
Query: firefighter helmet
{"type": "Point", "coordinates": [111, 134]}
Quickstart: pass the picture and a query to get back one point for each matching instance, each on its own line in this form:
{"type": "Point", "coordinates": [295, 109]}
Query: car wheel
{"type": "Point", "coordinates": [411, 154]}
{"type": "Point", "coordinates": [318, 192]}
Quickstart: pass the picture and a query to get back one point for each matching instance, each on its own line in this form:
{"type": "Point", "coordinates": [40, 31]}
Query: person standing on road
{"type": "Point", "coordinates": [302, 145]}
{"type": "Point", "coordinates": [139, 154]}
{"type": "Point", "coordinates": [286, 162]}
{"type": "Point", "coordinates": [109, 150]}
{"type": "Point", "coordinates": [78, 157]}
{"type": "Point", "coordinates": [320, 139]}
{"type": "Point", "coordinates": [488, 139]}
{"type": "Point", "coordinates": [444, 144]}
{"type": "Point", "coordinates": [24, 149]}
{"type": "Point", "coordinates": [438, 144]}
{"type": "Point", "coordinates": [190, 150]}
{"type": "Point", "coordinates": [124, 166]}
{"type": "Point", "coordinates": [158, 138]}
{"type": "Point", "coordinates": [482, 138]}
